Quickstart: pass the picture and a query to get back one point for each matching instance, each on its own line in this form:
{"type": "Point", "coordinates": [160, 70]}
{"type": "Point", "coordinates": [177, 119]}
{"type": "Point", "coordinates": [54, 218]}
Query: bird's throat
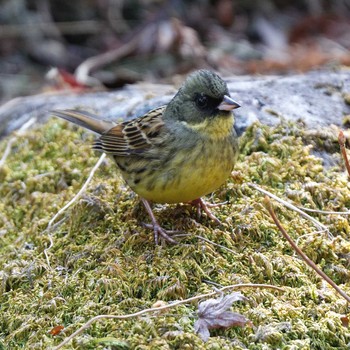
{"type": "Point", "coordinates": [215, 128]}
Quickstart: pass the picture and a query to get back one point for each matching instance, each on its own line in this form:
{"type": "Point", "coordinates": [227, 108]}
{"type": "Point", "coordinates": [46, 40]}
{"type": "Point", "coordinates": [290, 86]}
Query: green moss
{"type": "Point", "coordinates": [104, 262]}
{"type": "Point", "coordinates": [346, 96]}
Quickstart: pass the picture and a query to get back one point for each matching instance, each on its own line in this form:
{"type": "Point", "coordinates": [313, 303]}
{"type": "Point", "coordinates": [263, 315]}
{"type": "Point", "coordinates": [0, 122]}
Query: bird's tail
{"type": "Point", "coordinates": [85, 119]}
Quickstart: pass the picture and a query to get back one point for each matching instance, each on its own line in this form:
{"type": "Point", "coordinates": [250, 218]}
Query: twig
{"type": "Point", "coordinates": [301, 253]}
{"type": "Point", "coordinates": [45, 13]}
{"type": "Point", "coordinates": [327, 212]}
{"type": "Point", "coordinates": [74, 199]}
{"type": "Point", "coordinates": [341, 141]}
{"type": "Point", "coordinates": [76, 27]}
{"type": "Point", "coordinates": [293, 207]}
{"type": "Point", "coordinates": [82, 73]}
{"type": "Point", "coordinates": [215, 244]}
{"type": "Point", "coordinates": [19, 132]}
{"type": "Point", "coordinates": [164, 307]}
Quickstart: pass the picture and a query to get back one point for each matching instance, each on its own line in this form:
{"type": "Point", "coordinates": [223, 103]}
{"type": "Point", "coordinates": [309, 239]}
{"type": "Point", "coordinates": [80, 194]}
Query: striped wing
{"type": "Point", "coordinates": [133, 137]}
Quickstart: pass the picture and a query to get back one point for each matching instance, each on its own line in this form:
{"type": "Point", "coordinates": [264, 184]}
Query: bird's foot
{"type": "Point", "coordinates": [160, 231]}
{"type": "Point", "coordinates": [200, 204]}
{"type": "Point", "coordinates": [157, 229]}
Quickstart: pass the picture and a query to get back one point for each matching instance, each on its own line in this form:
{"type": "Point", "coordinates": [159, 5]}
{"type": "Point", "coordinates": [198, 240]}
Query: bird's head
{"type": "Point", "coordinates": [203, 95]}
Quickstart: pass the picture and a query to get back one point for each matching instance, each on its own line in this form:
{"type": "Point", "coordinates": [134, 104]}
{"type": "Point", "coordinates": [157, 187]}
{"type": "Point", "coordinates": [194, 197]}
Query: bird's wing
{"type": "Point", "coordinates": [134, 136]}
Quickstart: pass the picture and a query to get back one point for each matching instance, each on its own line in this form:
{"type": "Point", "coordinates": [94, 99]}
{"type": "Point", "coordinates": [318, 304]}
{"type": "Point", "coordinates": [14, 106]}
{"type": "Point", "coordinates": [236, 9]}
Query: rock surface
{"type": "Point", "coordinates": [317, 98]}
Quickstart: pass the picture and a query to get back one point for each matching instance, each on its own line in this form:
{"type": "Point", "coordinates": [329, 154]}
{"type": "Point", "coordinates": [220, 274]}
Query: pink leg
{"type": "Point", "coordinates": [157, 229]}
{"type": "Point", "coordinates": [202, 205]}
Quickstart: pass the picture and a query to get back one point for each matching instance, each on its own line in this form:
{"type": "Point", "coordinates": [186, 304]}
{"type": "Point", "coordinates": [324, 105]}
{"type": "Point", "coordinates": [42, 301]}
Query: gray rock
{"type": "Point", "coordinates": [315, 97]}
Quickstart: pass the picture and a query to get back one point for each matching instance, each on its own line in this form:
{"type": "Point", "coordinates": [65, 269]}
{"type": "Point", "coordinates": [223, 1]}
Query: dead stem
{"type": "Point", "coordinates": [319, 225]}
{"type": "Point", "coordinates": [74, 199]}
{"type": "Point", "coordinates": [164, 307]}
{"type": "Point", "coordinates": [269, 207]}
{"type": "Point", "coordinates": [19, 132]}
{"type": "Point", "coordinates": [325, 212]}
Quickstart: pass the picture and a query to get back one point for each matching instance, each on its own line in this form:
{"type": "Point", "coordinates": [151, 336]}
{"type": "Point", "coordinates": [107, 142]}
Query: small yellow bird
{"type": "Point", "coordinates": [174, 153]}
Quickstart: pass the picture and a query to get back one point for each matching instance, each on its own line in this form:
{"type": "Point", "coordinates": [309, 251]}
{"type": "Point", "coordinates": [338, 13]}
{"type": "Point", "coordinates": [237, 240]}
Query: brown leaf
{"type": "Point", "coordinates": [213, 313]}
{"type": "Point", "coordinates": [345, 321]}
{"type": "Point", "coordinates": [56, 330]}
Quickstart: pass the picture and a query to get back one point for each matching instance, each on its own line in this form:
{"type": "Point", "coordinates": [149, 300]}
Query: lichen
{"type": "Point", "coordinates": [104, 262]}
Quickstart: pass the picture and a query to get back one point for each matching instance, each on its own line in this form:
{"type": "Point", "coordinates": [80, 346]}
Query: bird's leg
{"type": "Point", "coordinates": [202, 205]}
{"type": "Point", "coordinates": [157, 229]}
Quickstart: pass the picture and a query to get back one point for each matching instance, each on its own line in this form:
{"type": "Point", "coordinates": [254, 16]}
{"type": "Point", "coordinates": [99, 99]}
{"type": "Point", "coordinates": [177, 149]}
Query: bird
{"type": "Point", "coordinates": [176, 153]}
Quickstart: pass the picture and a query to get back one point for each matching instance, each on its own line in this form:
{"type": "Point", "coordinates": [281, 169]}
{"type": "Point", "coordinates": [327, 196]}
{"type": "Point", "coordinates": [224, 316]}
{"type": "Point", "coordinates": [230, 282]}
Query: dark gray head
{"type": "Point", "coordinates": [203, 95]}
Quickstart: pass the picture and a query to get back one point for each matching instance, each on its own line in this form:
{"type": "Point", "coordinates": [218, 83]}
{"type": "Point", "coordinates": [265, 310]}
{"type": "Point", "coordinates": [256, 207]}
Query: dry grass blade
{"type": "Point", "coordinates": [325, 212]}
{"type": "Point", "coordinates": [19, 132]}
{"type": "Point", "coordinates": [320, 226]}
{"type": "Point", "coordinates": [164, 307]}
{"type": "Point", "coordinates": [63, 209]}
{"type": "Point", "coordinates": [341, 141]}
{"type": "Point", "coordinates": [300, 252]}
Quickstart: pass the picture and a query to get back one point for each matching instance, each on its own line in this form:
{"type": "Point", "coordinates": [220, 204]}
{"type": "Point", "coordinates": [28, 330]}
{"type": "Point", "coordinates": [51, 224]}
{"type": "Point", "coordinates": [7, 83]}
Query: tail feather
{"type": "Point", "coordinates": [85, 119]}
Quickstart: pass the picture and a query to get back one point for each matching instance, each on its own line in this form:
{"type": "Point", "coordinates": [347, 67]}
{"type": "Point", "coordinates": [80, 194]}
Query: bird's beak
{"type": "Point", "coordinates": [228, 104]}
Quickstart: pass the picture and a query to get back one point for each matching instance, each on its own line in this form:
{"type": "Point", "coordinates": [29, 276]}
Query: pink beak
{"type": "Point", "coordinates": [228, 104]}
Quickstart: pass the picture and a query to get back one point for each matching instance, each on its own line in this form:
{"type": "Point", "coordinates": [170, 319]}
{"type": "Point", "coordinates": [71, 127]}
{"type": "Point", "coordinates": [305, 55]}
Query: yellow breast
{"type": "Point", "coordinates": [191, 173]}
{"type": "Point", "coordinates": [186, 181]}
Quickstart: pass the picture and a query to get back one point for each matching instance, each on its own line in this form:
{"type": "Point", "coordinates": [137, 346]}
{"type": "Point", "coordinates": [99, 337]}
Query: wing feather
{"type": "Point", "coordinates": [133, 137]}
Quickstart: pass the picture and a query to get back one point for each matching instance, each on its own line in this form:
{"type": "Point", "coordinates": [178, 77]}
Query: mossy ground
{"type": "Point", "coordinates": [104, 262]}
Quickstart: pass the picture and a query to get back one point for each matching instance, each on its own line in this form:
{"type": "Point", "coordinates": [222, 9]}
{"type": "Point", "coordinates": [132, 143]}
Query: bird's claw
{"type": "Point", "coordinates": [202, 205]}
{"type": "Point", "coordinates": [157, 229]}
{"type": "Point", "coordinates": [160, 231]}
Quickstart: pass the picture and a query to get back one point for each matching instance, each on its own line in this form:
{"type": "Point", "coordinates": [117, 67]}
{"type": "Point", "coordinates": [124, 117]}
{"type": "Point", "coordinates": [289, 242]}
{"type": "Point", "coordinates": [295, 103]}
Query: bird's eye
{"type": "Point", "coordinates": [201, 101]}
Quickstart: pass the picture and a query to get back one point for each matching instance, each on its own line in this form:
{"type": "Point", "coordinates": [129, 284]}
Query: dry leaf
{"type": "Point", "coordinates": [214, 313]}
{"type": "Point", "coordinates": [345, 321]}
{"type": "Point", "coordinates": [56, 330]}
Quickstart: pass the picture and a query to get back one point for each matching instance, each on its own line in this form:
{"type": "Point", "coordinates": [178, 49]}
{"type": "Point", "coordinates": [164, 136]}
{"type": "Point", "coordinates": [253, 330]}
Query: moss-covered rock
{"type": "Point", "coordinates": [103, 261]}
